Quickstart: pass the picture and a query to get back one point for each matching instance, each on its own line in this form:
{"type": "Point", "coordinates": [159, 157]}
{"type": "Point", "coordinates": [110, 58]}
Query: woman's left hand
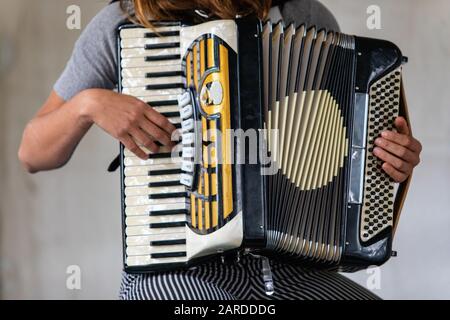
{"type": "Point", "coordinates": [399, 150]}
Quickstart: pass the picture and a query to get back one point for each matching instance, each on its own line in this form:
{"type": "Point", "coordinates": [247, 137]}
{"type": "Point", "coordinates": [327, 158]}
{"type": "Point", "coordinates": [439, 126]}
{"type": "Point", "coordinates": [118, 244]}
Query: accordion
{"type": "Point", "coordinates": [277, 127]}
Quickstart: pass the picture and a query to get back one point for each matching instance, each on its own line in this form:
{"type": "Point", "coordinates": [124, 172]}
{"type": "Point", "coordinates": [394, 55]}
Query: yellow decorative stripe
{"type": "Point", "coordinates": [200, 205]}
{"type": "Point", "coordinates": [188, 69]}
{"type": "Point", "coordinates": [193, 212]}
{"type": "Point", "coordinates": [215, 211]}
{"type": "Point", "coordinates": [227, 183]}
{"type": "Point", "coordinates": [202, 57]}
{"type": "Point", "coordinates": [214, 184]}
{"type": "Point", "coordinates": [207, 218]}
{"type": "Point", "coordinates": [210, 46]}
{"type": "Point", "coordinates": [196, 66]}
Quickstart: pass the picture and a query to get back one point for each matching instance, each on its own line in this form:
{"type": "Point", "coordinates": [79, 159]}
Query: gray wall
{"type": "Point", "coordinates": [72, 217]}
{"type": "Point", "coordinates": [68, 217]}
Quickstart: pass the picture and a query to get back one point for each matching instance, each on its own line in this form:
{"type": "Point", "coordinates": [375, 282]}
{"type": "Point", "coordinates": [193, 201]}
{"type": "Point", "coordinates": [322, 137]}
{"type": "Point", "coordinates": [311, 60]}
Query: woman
{"type": "Point", "coordinates": [83, 97]}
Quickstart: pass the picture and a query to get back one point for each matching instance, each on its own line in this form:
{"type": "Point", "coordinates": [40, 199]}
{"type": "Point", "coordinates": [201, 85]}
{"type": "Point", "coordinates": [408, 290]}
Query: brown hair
{"type": "Point", "coordinates": [146, 10]}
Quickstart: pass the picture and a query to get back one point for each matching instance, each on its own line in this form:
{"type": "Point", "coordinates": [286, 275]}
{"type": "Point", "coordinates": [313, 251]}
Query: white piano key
{"type": "Point", "coordinates": [188, 166]}
{"type": "Point", "coordinates": [145, 200]}
{"type": "Point", "coordinates": [143, 250]}
{"type": "Point", "coordinates": [144, 170]}
{"type": "Point", "coordinates": [186, 112]}
{"type": "Point", "coordinates": [156, 98]}
{"type": "Point", "coordinates": [146, 220]}
{"type": "Point", "coordinates": [145, 180]}
{"type": "Point", "coordinates": [143, 91]}
{"type": "Point", "coordinates": [136, 171]}
{"type": "Point", "coordinates": [135, 161]}
{"type": "Point", "coordinates": [187, 125]}
{"type": "Point", "coordinates": [147, 250]}
{"type": "Point", "coordinates": [128, 153]}
{"type": "Point", "coordinates": [188, 138]}
{"type": "Point", "coordinates": [184, 99]}
{"type": "Point", "coordinates": [188, 152]}
{"type": "Point", "coordinates": [135, 261]}
{"type": "Point", "coordinates": [146, 230]}
{"type": "Point", "coordinates": [128, 33]}
{"type": "Point", "coordinates": [142, 82]}
{"type": "Point", "coordinates": [142, 72]}
{"type": "Point", "coordinates": [166, 109]}
{"type": "Point", "coordinates": [136, 191]}
{"type": "Point", "coordinates": [141, 62]}
{"type": "Point", "coordinates": [142, 191]}
{"type": "Point", "coordinates": [163, 149]}
{"type": "Point", "coordinates": [162, 190]}
{"type": "Point", "coordinates": [171, 204]}
{"type": "Point", "coordinates": [142, 52]}
{"type": "Point", "coordinates": [142, 42]}
{"type": "Point", "coordinates": [175, 120]}
{"type": "Point", "coordinates": [145, 240]}
{"type": "Point", "coordinates": [187, 180]}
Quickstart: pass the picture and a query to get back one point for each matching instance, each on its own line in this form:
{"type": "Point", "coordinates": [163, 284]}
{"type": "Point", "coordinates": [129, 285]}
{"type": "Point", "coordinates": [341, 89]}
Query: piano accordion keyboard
{"type": "Point", "coordinates": [155, 201]}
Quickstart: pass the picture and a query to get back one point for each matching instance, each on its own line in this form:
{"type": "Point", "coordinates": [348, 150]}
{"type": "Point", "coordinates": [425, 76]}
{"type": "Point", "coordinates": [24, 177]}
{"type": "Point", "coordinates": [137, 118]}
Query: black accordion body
{"type": "Point", "coordinates": [277, 128]}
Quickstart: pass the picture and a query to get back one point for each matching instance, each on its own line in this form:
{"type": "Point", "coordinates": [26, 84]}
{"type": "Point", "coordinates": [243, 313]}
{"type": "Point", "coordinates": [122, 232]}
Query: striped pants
{"type": "Point", "coordinates": [241, 281]}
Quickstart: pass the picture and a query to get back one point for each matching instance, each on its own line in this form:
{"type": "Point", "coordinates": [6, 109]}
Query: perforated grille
{"type": "Point", "coordinates": [378, 207]}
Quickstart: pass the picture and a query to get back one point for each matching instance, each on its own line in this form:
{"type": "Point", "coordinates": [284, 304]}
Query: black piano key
{"type": "Point", "coordinates": [164, 184]}
{"type": "Point", "coordinates": [164, 86]}
{"type": "Point", "coordinates": [167, 195]}
{"type": "Point", "coordinates": [177, 125]}
{"type": "Point", "coordinates": [170, 114]}
{"type": "Point", "coordinates": [165, 225]}
{"type": "Point", "coordinates": [163, 172]}
{"type": "Point", "coordinates": [164, 103]}
{"type": "Point", "coordinates": [168, 242]}
{"type": "Point", "coordinates": [163, 58]}
{"type": "Point", "coordinates": [167, 212]}
{"type": "Point", "coordinates": [168, 255]}
{"type": "Point", "coordinates": [163, 155]}
{"type": "Point", "coordinates": [162, 34]}
{"type": "Point", "coordinates": [168, 45]}
{"type": "Point", "coordinates": [164, 74]}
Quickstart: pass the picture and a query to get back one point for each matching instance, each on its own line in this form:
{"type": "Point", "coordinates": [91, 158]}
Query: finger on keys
{"type": "Point", "coordinates": [395, 174]}
{"type": "Point", "coordinates": [403, 136]}
{"type": "Point", "coordinates": [129, 143]}
{"type": "Point", "coordinates": [156, 132]}
{"type": "Point", "coordinates": [145, 140]}
{"type": "Point", "coordinates": [161, 121]}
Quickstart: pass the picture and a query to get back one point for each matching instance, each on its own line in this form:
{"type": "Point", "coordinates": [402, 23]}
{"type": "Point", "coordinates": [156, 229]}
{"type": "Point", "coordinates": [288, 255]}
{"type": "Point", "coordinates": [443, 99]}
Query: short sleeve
{"type": "Point", "coordinates": [93, 63]}
{"type": "Point", "coordinates": [310, 12]}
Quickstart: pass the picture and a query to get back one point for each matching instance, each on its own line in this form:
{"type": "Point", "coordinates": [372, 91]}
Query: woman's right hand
{"type": "Point", "coordinates": [128, 119]}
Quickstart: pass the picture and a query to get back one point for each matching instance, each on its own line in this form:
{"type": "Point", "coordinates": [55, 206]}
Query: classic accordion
{"type": "Point", "coordinates": [277, 127]}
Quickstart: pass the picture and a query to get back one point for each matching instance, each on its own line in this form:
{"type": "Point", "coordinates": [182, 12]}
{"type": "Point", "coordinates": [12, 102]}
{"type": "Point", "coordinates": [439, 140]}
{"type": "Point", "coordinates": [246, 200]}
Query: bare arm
{"type": "Point", "coordinates": [50, 139]}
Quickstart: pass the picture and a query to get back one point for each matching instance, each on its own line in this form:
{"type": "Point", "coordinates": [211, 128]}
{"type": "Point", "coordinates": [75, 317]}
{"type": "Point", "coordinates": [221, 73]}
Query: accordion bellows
{"type": "Point", "coordinates": [277, 132]}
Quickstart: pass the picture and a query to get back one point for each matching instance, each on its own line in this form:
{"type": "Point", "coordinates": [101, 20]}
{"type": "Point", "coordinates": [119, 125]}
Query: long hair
{"type": "Point", "coordinates": [146, 10]}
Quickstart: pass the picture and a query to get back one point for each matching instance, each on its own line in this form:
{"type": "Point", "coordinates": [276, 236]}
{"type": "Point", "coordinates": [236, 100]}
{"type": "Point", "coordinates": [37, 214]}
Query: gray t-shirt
{"type": "Point", "coordinates": [93, 63]}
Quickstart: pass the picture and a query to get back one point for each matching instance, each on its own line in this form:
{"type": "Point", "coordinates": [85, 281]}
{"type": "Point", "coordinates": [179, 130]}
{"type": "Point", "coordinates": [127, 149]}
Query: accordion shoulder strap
{"type": "Point", "coordinates": [404, 186]}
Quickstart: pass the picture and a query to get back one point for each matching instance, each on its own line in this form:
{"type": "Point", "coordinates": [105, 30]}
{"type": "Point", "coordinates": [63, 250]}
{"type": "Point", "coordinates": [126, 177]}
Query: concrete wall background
{"type": "Point", "coordinates": [67, 217]}
{"type": "Point", "coordinates": [71, 217]}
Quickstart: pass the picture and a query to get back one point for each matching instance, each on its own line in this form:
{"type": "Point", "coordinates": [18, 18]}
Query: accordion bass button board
{"type": "Point", "coordinates": [277, 127]}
